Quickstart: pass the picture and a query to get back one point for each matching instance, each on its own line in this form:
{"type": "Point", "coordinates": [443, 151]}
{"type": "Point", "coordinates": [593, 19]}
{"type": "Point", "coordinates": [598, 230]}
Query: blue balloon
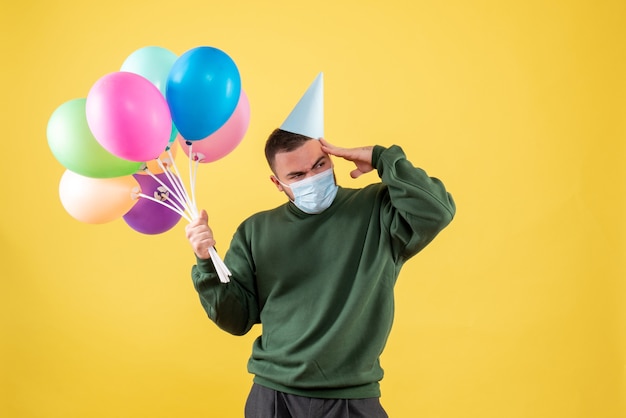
{"type": "Point", "coordinates": [202, 91]}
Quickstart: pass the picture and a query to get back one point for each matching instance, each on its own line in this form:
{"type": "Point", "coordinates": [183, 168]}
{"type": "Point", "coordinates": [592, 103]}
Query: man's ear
{"type": "Point", "coordinates": [276, 183]}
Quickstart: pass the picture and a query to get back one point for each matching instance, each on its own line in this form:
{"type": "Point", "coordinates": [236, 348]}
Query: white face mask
{"type": "Point", "coordinates": [314, 194]}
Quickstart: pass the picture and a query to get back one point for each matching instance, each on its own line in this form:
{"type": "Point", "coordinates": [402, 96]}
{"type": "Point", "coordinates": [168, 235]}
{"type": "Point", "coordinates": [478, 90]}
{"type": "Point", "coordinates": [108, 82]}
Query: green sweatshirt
{"type": "Point", "coordinates": [322, 285]}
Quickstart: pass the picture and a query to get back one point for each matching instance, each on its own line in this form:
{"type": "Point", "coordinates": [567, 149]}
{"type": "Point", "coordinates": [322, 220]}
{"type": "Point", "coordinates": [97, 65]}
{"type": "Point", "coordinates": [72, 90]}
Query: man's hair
{"type": "Point", "coordinates": [282, 141]}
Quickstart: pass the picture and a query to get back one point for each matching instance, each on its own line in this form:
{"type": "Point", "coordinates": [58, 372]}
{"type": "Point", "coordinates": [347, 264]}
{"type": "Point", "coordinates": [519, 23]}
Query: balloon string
{"type": "Point", "coordinates": [193, 180]}
{"type": "Point", "coordinates": [192, 209]}
{"type": "Point", "coordinates": [170, 177]}
{"type": "Point", "coordinates": [222, 271]}
{"type": "Point", "coordinates": [192, 176]}
{"type": "Point", "coordinates": [178, 186]}
{"type": "Point", "coordinates": [225, 269]}
{"type": "Point", "coordinates": [160, 202]}
{"type": "Point", "coordinates": [181, 205]}
{"type": "Point", "coordinates": [220, 267]}
{"type": "Point", "coordinates": [189, 204]}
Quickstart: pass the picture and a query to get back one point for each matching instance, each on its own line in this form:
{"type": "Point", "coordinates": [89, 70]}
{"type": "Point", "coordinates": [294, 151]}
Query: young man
{"type": "Point", "coordinates": [318, 273]}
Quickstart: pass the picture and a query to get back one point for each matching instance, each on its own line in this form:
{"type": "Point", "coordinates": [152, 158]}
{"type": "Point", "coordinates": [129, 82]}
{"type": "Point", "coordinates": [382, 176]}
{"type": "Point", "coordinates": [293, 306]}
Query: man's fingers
{"type": "Point", "coordinates": [330, 149]}
{"type": "Point", "coordinates": [202, 219]}
{"type": "Point", "coordinates": [355, 173]}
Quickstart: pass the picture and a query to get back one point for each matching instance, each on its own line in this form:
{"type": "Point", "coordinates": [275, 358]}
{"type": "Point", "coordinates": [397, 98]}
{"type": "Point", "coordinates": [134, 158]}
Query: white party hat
{"type": "Point", "coordinates": [307, 118]}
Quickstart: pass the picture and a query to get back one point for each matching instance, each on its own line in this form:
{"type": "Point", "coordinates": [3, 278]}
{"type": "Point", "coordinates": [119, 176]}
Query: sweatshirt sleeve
{"type": "Point", "coordinates": [232, 306]}
{"type": "Point", "coordinates": [418, 206]}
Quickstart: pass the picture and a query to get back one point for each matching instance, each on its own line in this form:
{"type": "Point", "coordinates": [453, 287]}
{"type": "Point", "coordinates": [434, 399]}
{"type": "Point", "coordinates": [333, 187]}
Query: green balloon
{"type": "Point", "coordinates": [75, 147]}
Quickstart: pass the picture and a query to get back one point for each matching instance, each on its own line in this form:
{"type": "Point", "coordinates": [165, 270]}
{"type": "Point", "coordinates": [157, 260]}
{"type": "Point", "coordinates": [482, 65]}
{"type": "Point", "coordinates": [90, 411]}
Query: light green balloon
{"type": "Point", "coordinates": [75, 147]}
{"type": "Point", "coordinates": [151, 62]}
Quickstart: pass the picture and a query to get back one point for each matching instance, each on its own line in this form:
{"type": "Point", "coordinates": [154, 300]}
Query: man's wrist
{"type": "Point", "coordinates": [205, 265]}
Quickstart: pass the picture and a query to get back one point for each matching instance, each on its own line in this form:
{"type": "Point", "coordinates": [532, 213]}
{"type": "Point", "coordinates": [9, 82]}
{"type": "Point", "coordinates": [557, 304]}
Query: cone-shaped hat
{"type": "Point", "coordinates": [307, 118]}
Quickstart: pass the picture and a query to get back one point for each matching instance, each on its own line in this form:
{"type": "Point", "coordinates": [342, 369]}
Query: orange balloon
{"type": "Point", "coordinates": [97, 200]}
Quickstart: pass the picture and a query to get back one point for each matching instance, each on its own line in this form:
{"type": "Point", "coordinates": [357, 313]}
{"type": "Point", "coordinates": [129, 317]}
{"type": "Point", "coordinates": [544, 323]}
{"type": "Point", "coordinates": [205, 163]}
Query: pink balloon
{"type": "Point", "coordinates": [225, 139]}
{"type": "Point", "coordinates": [129, 116]}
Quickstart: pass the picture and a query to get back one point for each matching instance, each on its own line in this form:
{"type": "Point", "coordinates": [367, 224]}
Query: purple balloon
{"type": "Point", "coordinates": [150, 217]}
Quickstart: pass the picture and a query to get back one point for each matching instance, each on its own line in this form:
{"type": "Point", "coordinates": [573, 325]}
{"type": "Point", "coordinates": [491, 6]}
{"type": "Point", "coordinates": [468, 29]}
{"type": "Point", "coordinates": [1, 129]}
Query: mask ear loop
{"type": "Point", "coordinates": [281, 183]}
{"type": "Point", "coordinates": [284, 185]}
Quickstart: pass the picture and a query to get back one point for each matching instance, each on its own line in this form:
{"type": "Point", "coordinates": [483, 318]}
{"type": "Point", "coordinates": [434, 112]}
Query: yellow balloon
{"type": "Point", "coordinates": [97, 200]}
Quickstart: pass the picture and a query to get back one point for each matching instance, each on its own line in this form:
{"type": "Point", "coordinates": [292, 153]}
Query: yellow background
{"type": "Point", "coordinates": [516, 310]}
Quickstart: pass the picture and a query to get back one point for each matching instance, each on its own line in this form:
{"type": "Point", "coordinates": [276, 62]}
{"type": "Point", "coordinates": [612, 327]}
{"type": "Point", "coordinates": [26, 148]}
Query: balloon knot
{"type": "Point", "coordinates": [161, 193]}
{"type": "Point", "coordinates": [134, 193]}
{"type": "Point", "coordinates": [166, 162]}
{"type": "Point", "coordinates": [197, 156]}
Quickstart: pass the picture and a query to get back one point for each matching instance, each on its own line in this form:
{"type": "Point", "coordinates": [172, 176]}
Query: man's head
{"type": "Point", "coordinates": [282, 141]}
{"type": "Point", "coordinates": [294, 157]}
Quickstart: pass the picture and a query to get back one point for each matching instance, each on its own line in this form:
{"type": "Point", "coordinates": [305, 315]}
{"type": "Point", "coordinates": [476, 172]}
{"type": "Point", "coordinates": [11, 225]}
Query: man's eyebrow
{"type": "Point", "coordinates": [297, 173]}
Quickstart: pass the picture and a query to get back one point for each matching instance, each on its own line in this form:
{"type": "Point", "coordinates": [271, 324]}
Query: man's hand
{"type": "Point", "coordinates": [361, 157]}
{"type": "Point", "coordinates": [200, 235]}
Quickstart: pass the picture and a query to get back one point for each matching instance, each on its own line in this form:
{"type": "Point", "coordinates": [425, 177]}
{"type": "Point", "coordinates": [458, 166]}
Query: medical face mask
{"type": "Point", "coordinates": [314, 194]}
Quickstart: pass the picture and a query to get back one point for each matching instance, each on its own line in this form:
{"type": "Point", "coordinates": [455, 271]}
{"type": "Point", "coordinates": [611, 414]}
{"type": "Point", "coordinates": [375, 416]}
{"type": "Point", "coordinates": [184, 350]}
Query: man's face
{"type": "Point", "coordinates": [296, 165]}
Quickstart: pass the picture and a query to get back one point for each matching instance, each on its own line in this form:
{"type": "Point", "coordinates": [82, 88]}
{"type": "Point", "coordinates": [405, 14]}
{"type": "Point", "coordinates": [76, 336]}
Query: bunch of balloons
{"type": "Point", "coordinates": [118, 144]}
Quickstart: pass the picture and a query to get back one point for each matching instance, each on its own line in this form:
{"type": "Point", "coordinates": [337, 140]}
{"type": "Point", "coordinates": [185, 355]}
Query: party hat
{"type": "Point", "coordinates": [307, 118]}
